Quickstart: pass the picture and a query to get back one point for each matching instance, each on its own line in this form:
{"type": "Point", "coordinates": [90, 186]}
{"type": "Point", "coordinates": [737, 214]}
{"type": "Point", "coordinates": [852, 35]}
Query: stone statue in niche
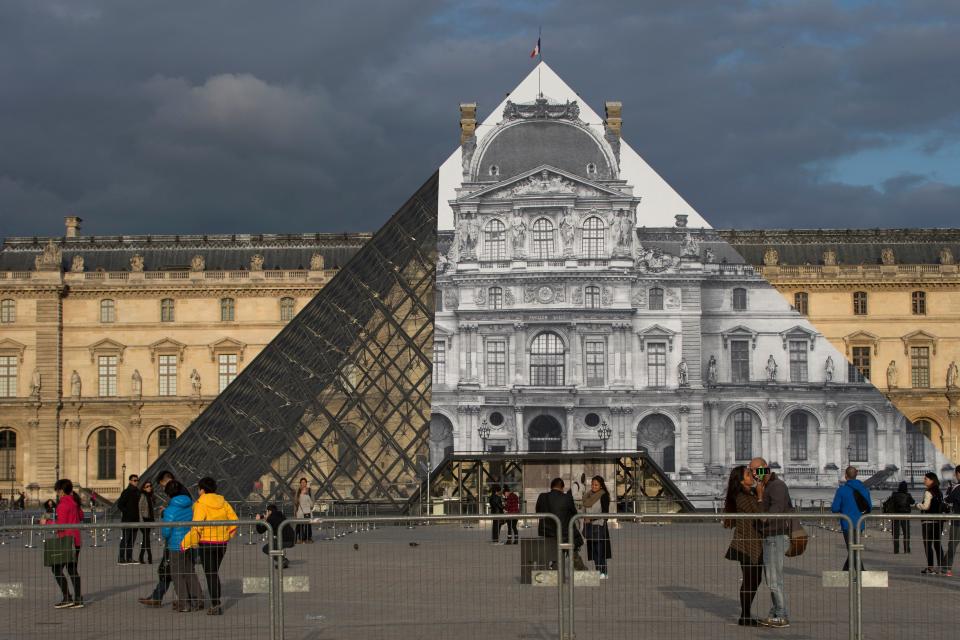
{"type": "Point", "coordinates": [443, 263]}
{"type": "Point", "coordinates": [49, 259]}
{"type": "Point", "coordinates": [256, 263]}
{"type": "Point", "coordinates": [480, 296]}
{"type": "Point", "coordinates": [709, 256]}
{"type": "Point", "coordinates": [712, 371]}
{"type": "Point", "coordinates": [683, 373]}
{"type": "Point", "coordinates": [36, 381]}
{"type": "Point", "coordinates": [316, 262]}
{"type": "Point", "coordinates": [77, 265]}
{"type": "Point", "coordinates": [690, 248]}
{"type": "Point", "coordinates": [136, 384]}
{"type": "Point", "coordinates": [567, 233]}
{"type": "Point", "coordinates": [136, 263]}
{"type": "Point", "coordinates": [952, 374]}
{"type": "Point", "coordinates": [771, 369]}
{"type": "Point", "coordinates": [195, 383]}
{"type": "Point", "coordinates": [75, 385]}
{"type": "Point", "coordinates": [771, 257]}
{"type": "Point", "coordinates": [946, 256]}
{"type": "Point", "coordinates": [828, 369]}
{"type": "Point", "coordinates": [518, 234]}
{"type": "Point", "coordinates": [892, 375]}
{"type": "Point", "coordinates": [887, 256]}
{"type": "Point", "coordinates": [576, 296]}
{"type": "Point", "coordinates": [508, 299]}
{"type": "Point", "coordinates": [198, 263]}
{"type": "Point", "coordinates": [469, 233]}
{"type": "Point", "coordinates": [623, 230]}
{"type": "Point", "coordinates": [830, 258]}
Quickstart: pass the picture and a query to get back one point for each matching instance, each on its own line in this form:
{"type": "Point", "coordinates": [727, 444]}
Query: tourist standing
{"type": "Point", "coordinates": [129, 506]}
{"type": "Point", "coordinates": [932, 529]}
{"type": "Point", "coordinates": [596, 530]}
{"type": "Point", "coordinates": [67, 512]}
{"type": "Point", "coordinates": [953, 500]}
{"type": "Point", "coordinates": [185, 582]}
{"type": "Point", "coordinates": [852, 499]}
{"type": "Point", "coordinates": [303, 508]}
{"type": "Point", "coordinates": [511, 505]}
{"type": "Point", "coordinates": [211, 540]}
{"type": "Point", "coordinates": [561, 505]}
{"type": "Point", "coordinates": [155, 599]}
{"type": "Point", "coordinates": [774, 498]}
{"type": "Point", "coordinates": [496, 508]}
{"type": "Point", "coordinates": [146, 515]}
{"type": "Point", "coordinates": [900, 501]}
{"type": "Point", "coordinates": [746, 547]}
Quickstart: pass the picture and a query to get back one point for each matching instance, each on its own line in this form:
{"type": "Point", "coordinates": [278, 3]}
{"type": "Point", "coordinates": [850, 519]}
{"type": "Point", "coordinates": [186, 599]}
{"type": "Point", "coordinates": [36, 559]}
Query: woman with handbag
{"type": "Point", "coordinates": [932, 529]}
{"type": "Point", "coordinates": [62, 553]}
{"type": "Point", "coordinates": [146, 515]}
{"type": "Point", "coordinates": [746, 547]}
{"type": "Point", "coordinates": [303, 508]}
{"type": "Point", "coordinates": [596, 530]}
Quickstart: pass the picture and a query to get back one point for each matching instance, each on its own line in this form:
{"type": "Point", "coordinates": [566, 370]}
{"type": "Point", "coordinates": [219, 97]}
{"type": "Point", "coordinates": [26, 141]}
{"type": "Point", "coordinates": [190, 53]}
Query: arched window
{"type": "Point", "coordinates": [8, 454]}
{"type": "Point", "coordinates": [655, 299]}
{"type": "Point", "coordinates": [799, 421]}
{"type": "Point", "coordinates": [8, 311]}
{"type": "Point", "coordinates": [591, 297]}
{"type": "Point", "coordinates": [592, 241]}
{"type": "Point", "coordinates": [917, 434]}
{"type": "Point", "coordinates": [858, 446]}
{"type": "Point", "coordinates": [743, 434]}
{"type": "Point", "coordinates": [495, 295]}
{"type": "Point", "coordinates": [495, 240]}
{"type": "Point", "coordinates": [106, 454]}
{"type": "Point", "coordinates": [543, 239]}
{"type": "Point", "coordinates": [165, 438]}
{"type": "Point", "coordinates": [918, 301]}
{"type": "Point", "coordinates": [801, 302]}
{"type": "Point", "coordinates": [286, 309]}
{"type": "Point", "coordinates": [228, 309]}
{"type": "Point", "coordinates": [546, 360]}
{"type": "Point", "coordinates": [108, 311]}
{"type": "Point", "coordinates": [166, 310]}
{"type": "Point", "coordinates": [739, 299]}
{"type": "Point", "coordinates": [859, 303]}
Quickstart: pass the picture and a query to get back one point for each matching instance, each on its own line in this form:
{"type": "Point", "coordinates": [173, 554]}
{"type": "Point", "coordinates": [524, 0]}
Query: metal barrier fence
{"type": "Point", "coordinates": [432, 576]}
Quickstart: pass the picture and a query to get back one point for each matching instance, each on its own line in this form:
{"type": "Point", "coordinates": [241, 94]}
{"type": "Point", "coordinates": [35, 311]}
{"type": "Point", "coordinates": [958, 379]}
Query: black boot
{"type": "Point", "coordinates": [149, 556]}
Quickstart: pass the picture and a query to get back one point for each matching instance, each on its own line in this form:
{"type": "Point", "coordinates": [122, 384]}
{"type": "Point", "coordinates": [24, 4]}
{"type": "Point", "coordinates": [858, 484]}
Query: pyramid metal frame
{"type": "Point", "coordinates": [342, 395]}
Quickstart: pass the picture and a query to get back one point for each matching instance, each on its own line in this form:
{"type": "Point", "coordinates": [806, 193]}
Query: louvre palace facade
{"type": "Point", "coordinates": [566, 324]}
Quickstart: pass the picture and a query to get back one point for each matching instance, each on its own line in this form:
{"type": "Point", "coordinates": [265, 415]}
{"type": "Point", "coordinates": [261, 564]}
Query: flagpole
{"type": "Point", "coordinates": [540, 53]}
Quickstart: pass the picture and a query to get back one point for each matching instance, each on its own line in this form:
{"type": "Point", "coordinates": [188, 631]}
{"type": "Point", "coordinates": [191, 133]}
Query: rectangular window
{"type": "Point", "coordinates": [859, 450]}
{"type": "Point", "coordinates": [739, 361]}
{"type": "Point", "coordinates": [918, 301]}
{"type": "Point", "coordinates": [8, 376]}
{"type": "Point", "coordinates": [801, 302]}
{"type": "Point", "coordinates": [798, 361]}
{"type": "Point", "coordinates": [496, 363]}
{"type": "Point", "coordinates": [798, 436]}
{"type": "Point", "coordinates": [860, 367]}
{"type": "Point", "coordinates": [915, 444]}
{"type": "Point", "coordinates": [168, 375]}
{"type": "Point", "coordinates": [227, 369]}
{"type": "Point", "coordinates": [595, 362]}
{"type": "Point", "coordinates": [8, 310]}
{"type": "Point", "coordinates": [496, 298]}
{"type": "Point", "coordinates": [739, 299]}
{"type": "Point", "coordinates": [859, 303]}
{"type": "Point", "coordinates": [107, 375]}
{"type": "Point", "coordinates": [920, 367]}
{"type": "Point", "coordinates": [657, 364]}
{"type": "Point", "coordinates": [166, 310]}
{"type": "Point", "coordinates": [440, 362]}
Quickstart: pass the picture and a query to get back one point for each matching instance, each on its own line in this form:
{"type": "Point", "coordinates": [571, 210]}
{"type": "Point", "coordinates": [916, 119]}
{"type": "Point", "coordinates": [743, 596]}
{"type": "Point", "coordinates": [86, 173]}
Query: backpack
{"type": "Point", "coordinates": [862, 504]}
{"type": "Point", "coordinates": [887, 505]}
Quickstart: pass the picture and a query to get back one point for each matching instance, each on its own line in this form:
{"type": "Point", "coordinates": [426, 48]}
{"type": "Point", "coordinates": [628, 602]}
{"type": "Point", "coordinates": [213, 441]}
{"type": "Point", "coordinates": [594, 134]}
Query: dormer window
{"type": "Point", "coordinates": [494, 171]}
{"type": "Point", "coordinates": [591, 170]}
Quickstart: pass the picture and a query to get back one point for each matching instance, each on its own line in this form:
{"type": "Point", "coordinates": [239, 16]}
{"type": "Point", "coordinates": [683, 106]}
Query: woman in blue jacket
{"type": "Point", "coordinates": [185, 581]}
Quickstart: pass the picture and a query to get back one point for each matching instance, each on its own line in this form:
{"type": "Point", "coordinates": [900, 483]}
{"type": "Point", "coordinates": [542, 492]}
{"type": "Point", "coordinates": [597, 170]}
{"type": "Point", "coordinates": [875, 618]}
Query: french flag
{"type": "Point", "coordinates": [536, 49]}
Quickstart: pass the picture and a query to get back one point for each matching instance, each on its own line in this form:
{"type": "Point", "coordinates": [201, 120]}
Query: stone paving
{"type": "Point", "coordinates": [448, 580]}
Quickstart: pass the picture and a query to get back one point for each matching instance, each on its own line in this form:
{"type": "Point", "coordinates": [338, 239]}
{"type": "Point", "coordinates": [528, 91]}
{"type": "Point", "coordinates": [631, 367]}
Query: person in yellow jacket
{"type": "Point", "coordinates": [211, 541]}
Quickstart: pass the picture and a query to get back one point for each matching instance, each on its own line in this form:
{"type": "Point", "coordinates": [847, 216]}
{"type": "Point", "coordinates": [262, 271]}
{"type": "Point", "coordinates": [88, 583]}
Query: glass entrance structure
{"type": "Point", "coordinates": [342, 395]}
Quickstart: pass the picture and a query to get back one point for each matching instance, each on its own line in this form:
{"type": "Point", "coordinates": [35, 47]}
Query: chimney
{"type": "Point", "coordinates": [73, 225]}
{"type": "Point", "coordinates": [468, 121]}
{"type": "Point", "coordinates": [613, 120]}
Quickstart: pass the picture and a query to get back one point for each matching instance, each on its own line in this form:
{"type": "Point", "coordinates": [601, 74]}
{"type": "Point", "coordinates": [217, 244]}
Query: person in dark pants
{"type": "Point", "coordinates": [129, 506]}
{"type": "Point", "coordinates": [746, 547]}
{"type": "Point", "coordinates": [274, 517]}
{"type": "Point", "coordinates": [511, 505]}
{"type": "Point", "coordinates": [952, 498]}
{"type": "Point", "coordinates": [146, 515]}
{"type": "Point", "coordinates": [932, 529]}
{"type": "Point", "coordinates": [211, 540]}
{"type": "Point", "coordinates": [185, 582]}
{"type": "Point", "coordinates": [67, 512]}
{"type": "Point", "coordinates": [164, 578]}
{"type": "Point", "coordinates": [597, 531]}
{"type": "Point", "coordinates": [561, 505]}
{"type": "Point", "coordinates": [496, 508]}
{"type": "Point", "coordinates": [846, 501]}
{"type": "Point", "coordinates": [900, 501]}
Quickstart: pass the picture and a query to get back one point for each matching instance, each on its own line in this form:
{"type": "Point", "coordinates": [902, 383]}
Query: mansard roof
{"type": "Point", "coordinates": [852, 246]}
{"type": "Point", "coordinates": [174, 252]}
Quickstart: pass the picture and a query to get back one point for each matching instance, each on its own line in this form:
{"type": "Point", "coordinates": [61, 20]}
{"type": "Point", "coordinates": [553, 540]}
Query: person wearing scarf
{"type": "Point", "coordinates": [597, 533]}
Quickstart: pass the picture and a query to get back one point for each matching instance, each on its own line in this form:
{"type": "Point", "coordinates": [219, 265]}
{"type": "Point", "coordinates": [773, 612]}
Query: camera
{"type": "Point", "coordinates": [761, 472]}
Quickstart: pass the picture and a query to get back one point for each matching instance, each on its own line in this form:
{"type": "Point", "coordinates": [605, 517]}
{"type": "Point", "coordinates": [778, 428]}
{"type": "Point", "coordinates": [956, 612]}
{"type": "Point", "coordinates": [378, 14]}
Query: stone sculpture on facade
{"type": "Point", "coordinates": [830, 258]}
{"type": "Point", "coordinates": [49, 259]}
{"type": "Point", "coordinates": [690, 248]}
{"type": "Point", "coordinates": [712, 371]}
{"type": "Point", "coordinates": [77, 265]}
{"type": "Point", "coordinates": [136, 384]}
{"type": "Point", "coordinates": [771, 257]}
{"type": "Point", "coordinates": [708, 255]}
{"type": "Point", "coordinates": [771, 369]}
{"type": "Point", "coordinates": [198, 263]}
{"type": "Point", "coordinates": [316, 262]}
{"type": "Point", "coordinates": [887, 256]}
{"type": "Point", "coordinates": [892, 375]}
{"type": "Point", "coordinates": [952, 374]}
{"type": "Point", "coordinates": [75, 385]}
{"type": "Point", "coordinates": [682, 373]}
{"type": "Point", "coordinates": [518, 231]}
{"type": "Point", "coordinates": [623, 228]}
{"type": "Point", "coordinates": [35, 384]}
{"type": "Point", "coordinates": [567, 233]}
{"type": "Point", "coordinates": [256, 262]}
{"type": "Point", "coordinates": [136, 263]}
{"type": "Point", "coordinates": [195, 383]}
{"type": "Point", "coordinates": [469, 231]}
{"type": "Point", "coordinates": [946, 256]}
{"type": "Point", "coordinates": [828, 369]}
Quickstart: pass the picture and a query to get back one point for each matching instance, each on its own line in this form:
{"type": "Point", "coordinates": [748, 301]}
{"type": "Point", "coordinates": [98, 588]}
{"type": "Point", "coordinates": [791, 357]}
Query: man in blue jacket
{"type": "Point", "coordinates": [853, 500]}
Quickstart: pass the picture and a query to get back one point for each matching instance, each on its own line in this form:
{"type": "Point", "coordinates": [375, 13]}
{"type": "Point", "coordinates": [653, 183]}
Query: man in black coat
{"type": "Point", "coordinates": [561, 505]}
{"type": "Point", "coordinates": [274, 517]}
{"type": "Point", "coordinates": [129, 506]}
{"type": "Point", "coordinates": [496, 507]}
{"type": "Point", "coordinates": [900, 501]}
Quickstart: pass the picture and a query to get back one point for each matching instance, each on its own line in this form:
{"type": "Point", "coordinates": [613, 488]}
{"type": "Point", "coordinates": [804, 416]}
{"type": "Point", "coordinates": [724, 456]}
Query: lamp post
{"type": "Point", "coordinates": [484, 431]}
{"type": "Point", "coordinates": [13, 479]}
{"type": "Point", "coordinates": [123, 474]}
{"type": "Point", "coordinates": [604, 432]}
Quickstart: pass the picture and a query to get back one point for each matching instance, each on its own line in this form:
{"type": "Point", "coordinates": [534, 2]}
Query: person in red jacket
{"type": "Point", "coordinates": [511, 505]}
{"type": "Point", "coordinates": [68, 512]}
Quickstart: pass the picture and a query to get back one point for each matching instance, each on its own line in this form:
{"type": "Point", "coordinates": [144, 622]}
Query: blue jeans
{"type": "Point", "coordinates": [774, 551]}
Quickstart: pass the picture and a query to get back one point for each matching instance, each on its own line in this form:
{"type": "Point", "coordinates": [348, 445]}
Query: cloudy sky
{"type": "Point", "coordinates": [249, 116]}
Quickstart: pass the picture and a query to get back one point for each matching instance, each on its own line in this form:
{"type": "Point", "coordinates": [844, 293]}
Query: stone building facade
{"type": "Point", "coordinates": [111, 346]}
{"type": "Point", "coordinates": [565, 324]}
{"type": "Point", "coordinates": [889, 299]}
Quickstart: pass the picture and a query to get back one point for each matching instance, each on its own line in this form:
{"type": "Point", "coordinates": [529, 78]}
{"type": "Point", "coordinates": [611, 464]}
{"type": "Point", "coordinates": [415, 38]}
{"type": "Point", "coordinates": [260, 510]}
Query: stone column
{"type": "Point", "coordinates": [570, 441]}
{"type": "Point", "coordinates": [684, 440]}
{"type": "Point", "coordinates": [576, 356]}
{"type": "Point", "coordinates": [833, 437]}
{"type": "Point", "coordinates": [768, 434]}
{"type": "Point", "coordinates": [520, 349]}
{"type": "Point", "coordinates": [623, 351]}
{"type": "Point", "coordinates": [518, 421]}
{"type": "Point", "coordinates": [893, 433]}
{"type": "Point", "coordinates": [717, 462]}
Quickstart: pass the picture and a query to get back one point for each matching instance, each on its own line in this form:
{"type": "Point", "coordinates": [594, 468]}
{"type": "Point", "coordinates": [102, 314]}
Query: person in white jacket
{"type": "Point", "coordinates": [303, 508]}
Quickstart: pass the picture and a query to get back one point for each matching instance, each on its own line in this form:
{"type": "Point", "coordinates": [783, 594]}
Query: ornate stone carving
{"type": "Point", "coordinates": [256, 262]}
{"type": "Point", "coordinates": [508, 299]}
{"type": "Point", "coordinates": [712, 371]}
{"type": "Point", "coordinates": [952, 375]}
{"type": "Point", "coordinates": [828, 369]}
{"type": "Point", "coordinates": [541, 184]}
{"type": "Point", "coordinates": [606, 296]}
{"type": "Point", "coordinates": [518, 235]}
{"type": "Point", "coordinates": [771, 257]}
{"type": "Point", "coordinates": [195, 383]}
{"type": "Point", "coordinates": [567, 233]}
{"type": "Point", "coordinates": [316, 262]}
{"type": "Point", "coordinates": [450, 299]}
{"type": "Point", "coordinates": [544, 294]}
{"type": "Point", "coordinates": [671, 298]}
{"type": "Point", "coordinates": [77, 265]}
{"type": "Point", "coordinates": [623, 232]}
{"type": "Point", "coordinates": [654, 260]}
{"type": "Point", "coordinates": [467, 150]}
{"type": "Point", "coordinates": [136, 384]}
{"type": "Point", "coordinates": [830, 258]}
{"type": "Point", "coordinates": [892, 375]}
{"type": "Point", "coordinates": [639, 298]}
{"type": "Point", "coordinates": [198, 263]}
{"type": "Point", "coordinates": [887, 256]}
{"type": "Point", "coordinates": [946, 256]}
{"type": "Point", "coordinates": [480, 296]}
{"type": "Point", "coordinates": [36, 382]}
{"type": "Point", "coordinates": [468, 231]}
{"type": "Point", "coordinates": [136, 263]}
{"type": "Point", "coordinates": [690, 247]}
{"type": "Point", "coordinates": [75, 385]}
{"type": "Point", "coordinates": [709, 256]}
{"type": "Point", "coordinates": [49, 259]}
{"type": "Point", "coordinates": [771, 369]}
{"type": "Point", "coordinates": [541, 109]}
{"type": "Point", "coordinates": [683, 373]}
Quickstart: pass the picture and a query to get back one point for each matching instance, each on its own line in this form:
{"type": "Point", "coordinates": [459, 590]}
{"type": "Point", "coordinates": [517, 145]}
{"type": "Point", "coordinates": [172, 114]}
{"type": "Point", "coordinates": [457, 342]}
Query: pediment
{"type": "Point", "coordinates": [799, 332]}
{"type": "Point", "coordinates": [861, 338]}
{"type": "Point", "coordinates": [10, 347]}
{"type": "Point", "coordinates": [919, 337]}
{"type": "Point", "coordinates": [107, 347]}
{"type": "Point", "coordinates": [165, 346]}
{"type": "Point", "coordinates": [226, 345]}
{"type": "Point", "coordinates": [543, 181]}
{"type": "Point", "coordinates": [655, 333]}
{"type": "Point", "coordinates": [740, 332]}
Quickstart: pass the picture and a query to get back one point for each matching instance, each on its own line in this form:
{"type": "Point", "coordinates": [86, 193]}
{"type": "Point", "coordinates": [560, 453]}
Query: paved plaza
{"type": "Point", "coordinates": [447, 580]}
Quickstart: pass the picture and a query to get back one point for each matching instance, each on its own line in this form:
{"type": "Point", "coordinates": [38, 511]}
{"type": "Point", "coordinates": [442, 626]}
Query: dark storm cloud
{"type": "Point", "coordinates": [245, 116]}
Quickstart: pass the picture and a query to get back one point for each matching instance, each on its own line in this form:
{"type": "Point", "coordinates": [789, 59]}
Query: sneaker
{"type": "Point", "coordinates": [604, 576]}
{"type": "Point", "coordinates": [928, 572]}
{"type": "Point", "coordinates": [948, 573]}
{"type": "Point", "coordinates": [777, 623]}
{"type": "Point", "coordinates": [77, 604]}
{"type": "Point", "coordinates": [215, 611]}
{"type": "Point", "coordinates": [63, 604]}
{"type": "Point", "coordinates": [149, 602]}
